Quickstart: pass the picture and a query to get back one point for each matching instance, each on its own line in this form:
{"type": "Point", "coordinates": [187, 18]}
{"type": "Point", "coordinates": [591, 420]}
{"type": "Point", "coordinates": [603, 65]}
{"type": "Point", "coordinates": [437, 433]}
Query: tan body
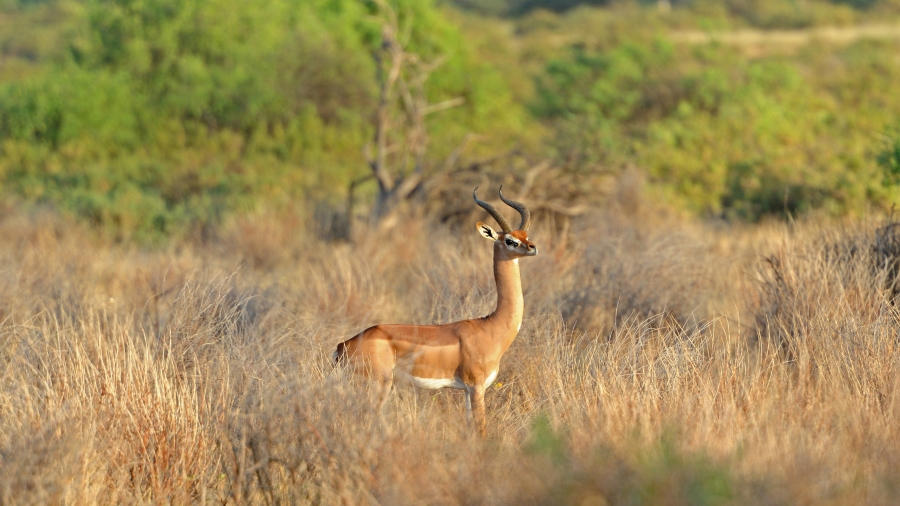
{"type": "Point", "coordinates": [464, 354]}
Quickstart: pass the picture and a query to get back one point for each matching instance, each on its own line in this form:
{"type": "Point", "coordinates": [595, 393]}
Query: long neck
{"type": "Point", "coordinates": [510, 304]}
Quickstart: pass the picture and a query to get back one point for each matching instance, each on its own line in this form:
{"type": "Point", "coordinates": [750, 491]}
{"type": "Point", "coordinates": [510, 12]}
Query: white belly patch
{"type": "Point", "coordinates": [490, 379]}
{"type": "Point", "coordinates": [429, 383]}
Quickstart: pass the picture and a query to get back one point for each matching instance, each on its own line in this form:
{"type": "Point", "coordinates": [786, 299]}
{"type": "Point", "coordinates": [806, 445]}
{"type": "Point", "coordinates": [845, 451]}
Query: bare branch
{"type": "Point", "coordinates": [532, 174]}
{"type": "Point", "coordinates": [454, 156]}
{"type": "Point", "coordinates": [387, 81]}
{"type": "Point", "coordinates": [440, 106]}
{"type": "Point", "coordinates": [397, 157]}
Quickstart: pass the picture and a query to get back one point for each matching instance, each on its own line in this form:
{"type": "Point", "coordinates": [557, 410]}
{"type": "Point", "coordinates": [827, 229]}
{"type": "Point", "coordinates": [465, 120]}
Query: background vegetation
{"type": "Point", "coordinates": [153, 118]}
{"type": "Point", "coordinates": [147, 116]}
{"type": "Point", "coordinates": [189, 223]}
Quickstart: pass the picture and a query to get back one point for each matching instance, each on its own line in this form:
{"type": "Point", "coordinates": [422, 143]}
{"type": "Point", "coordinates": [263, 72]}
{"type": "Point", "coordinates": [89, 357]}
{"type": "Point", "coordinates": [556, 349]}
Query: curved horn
{"type": "Point", "coordinates": [493, 212]}
{"type": "Point", "coordinates": [518, 206]}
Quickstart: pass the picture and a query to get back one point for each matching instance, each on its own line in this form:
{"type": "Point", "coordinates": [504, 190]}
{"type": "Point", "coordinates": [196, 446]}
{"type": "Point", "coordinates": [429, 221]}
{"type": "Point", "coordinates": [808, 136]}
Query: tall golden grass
{"type": "Point", "coordinates": [660, 362]}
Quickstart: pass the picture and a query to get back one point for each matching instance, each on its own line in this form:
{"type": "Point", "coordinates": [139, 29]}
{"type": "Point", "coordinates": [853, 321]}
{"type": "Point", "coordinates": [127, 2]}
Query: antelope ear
{"type": "Point", "coordinates": [487, 232]}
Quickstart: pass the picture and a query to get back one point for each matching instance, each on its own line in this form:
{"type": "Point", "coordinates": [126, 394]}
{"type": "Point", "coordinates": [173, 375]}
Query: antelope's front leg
{"type": "Point", "coordinates": [469, 405]}
{"type": "Point", "coordinates": [475, 408]}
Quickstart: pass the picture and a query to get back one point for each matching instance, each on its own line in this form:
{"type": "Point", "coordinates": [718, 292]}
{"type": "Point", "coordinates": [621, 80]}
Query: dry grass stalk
{"type": "Point", "coordinates": [657, 364]}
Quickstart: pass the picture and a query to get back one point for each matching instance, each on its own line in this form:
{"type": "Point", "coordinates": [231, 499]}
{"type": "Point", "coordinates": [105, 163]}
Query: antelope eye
{"type": "Point", "coordinates": [510, 242]}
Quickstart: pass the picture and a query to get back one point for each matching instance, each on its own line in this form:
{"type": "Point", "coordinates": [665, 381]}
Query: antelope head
{"type": "Point", "coordinates": [510, 244]}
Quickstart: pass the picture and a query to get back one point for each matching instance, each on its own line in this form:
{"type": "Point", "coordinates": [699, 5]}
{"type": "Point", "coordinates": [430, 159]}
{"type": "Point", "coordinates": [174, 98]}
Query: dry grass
{"type": "Point", "coordinates": [659, 363]}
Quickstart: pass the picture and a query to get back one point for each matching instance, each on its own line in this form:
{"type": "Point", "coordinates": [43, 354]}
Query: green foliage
{"type": "Point", "coordinates": [889, 159]}
{"type": "Point", "coordinates": [591, 93]}
{"type": "Point", "coordinates": [165, 114]}
{"type": "Point", "coordinates": [231, 65]}
{"type": "Point", "coordinates": [547, 442]}
{"type": "Point", "coordinates": [667, 472]}
{"type": "Point", "coordinates": [723, 133]}
{"type": "Point", "coordinates": [660, 472]}
{"type": "Point", "coordinates": [71, 105]}
{"type": "Point", "coordinates": [154, 117]}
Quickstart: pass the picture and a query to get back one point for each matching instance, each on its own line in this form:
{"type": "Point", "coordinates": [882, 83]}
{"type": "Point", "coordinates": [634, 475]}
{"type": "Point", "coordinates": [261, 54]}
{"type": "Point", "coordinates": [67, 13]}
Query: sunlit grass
{"type": "Point", "coordinates": [659, 363]}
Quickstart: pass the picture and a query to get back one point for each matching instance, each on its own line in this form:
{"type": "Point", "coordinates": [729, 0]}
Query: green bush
{"type": "Point", "coordinates": [725, 134]}
{"type": "Point", "coordinates": [157, 116]}
{"type": "Point", "coordinates": [889, 158]}
{"type": "Point", "coordinates": [662, 472]}
{"type": "Point", "coordinates": [164, 114]}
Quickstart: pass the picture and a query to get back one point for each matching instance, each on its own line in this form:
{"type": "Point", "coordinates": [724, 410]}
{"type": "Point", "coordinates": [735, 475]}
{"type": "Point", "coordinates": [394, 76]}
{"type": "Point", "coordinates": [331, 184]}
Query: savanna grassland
{"type": "Point", "coordinates": [199, 200]}
{"type": "Point", "coordinates": [660, 362]}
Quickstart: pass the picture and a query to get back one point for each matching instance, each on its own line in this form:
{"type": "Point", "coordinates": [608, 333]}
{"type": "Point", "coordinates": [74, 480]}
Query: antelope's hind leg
{"type": "Point", "coordinates": [374, 359]}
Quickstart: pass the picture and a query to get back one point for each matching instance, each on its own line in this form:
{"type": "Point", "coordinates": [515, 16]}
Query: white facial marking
{"type": "Point", "coordinates": [490, 379]}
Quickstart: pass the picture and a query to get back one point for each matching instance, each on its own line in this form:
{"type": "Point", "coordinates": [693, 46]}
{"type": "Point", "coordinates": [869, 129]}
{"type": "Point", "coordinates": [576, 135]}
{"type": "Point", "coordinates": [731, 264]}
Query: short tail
{"type": "Point", "coordinates": [339, 356]}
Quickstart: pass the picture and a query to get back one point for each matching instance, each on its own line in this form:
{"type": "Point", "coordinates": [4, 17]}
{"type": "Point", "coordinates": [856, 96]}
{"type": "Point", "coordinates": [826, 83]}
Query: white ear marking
{"type": "Point", "coordinates": [487, 232]}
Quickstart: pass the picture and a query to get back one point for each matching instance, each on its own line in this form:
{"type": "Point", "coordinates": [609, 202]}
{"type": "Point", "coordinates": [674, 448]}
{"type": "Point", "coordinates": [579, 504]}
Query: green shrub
{"type": "Point", "coordinates": [725, 134]}
{"type": "Point", "coordinates": [661, 472]}
{"type": "Point", "coordinates": [164, 114]}
{"type": "Point", "coordinates": [889, 159]}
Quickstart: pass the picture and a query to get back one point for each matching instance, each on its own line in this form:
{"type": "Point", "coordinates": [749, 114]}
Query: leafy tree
{"type": "Point", "coordinates": [239, 103]}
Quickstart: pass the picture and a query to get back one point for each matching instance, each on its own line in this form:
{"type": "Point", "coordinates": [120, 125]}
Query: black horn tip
{"type": "Point", "coordinates": [474, 196]}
